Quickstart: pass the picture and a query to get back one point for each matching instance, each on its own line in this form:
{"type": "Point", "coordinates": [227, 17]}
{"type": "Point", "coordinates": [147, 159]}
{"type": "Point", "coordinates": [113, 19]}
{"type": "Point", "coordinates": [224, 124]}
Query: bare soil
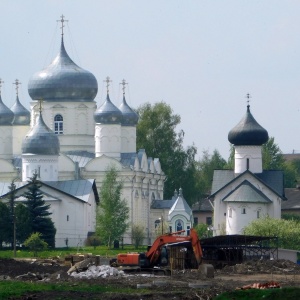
{"type": "Point", "coordinates": [184, 284]}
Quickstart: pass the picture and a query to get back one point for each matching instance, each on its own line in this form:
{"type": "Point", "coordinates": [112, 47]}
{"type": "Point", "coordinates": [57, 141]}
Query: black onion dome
{"type": "Point", "coordinates": [6, 115]}
{"type": "Point", "coordinates": [41, 140]}
{"type": "Point", "coordinates": [63, 81]}
{"type": "Point", "coordinates": [21, 114]}
{"type": "Point", "coordinates": [130, 117]}
{"type": "Point", "coordinates": [248, 132]}
{"type": "Point", "coordinates": [108, 113]}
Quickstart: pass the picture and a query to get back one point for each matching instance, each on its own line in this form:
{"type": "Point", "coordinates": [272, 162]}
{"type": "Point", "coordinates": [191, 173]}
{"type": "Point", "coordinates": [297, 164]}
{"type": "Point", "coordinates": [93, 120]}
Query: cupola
{"type": "Point", "coordinates": [21, 114]}
{"type": "Point", "coordinates": [108, 113]}
{"type": "Point", "coordinates": [6, 115]}
{"type": "Point", "coordinates": [41, 140]}
{"type": "Point", "coordinates": [63, 80]}
{"type": "Point", "coordinates": [248, 132]}
{"type": "Point", "coordinates": [129, 116]}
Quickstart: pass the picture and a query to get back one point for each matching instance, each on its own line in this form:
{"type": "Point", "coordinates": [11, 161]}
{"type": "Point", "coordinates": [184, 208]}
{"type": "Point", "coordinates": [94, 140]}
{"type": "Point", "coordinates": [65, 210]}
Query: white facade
{"type": "Point", "coordinates": [77, 131]}
{"type": "Point", "coordinates": [46, 166]}
{"type": "Point", "coordinates": [6, 142]}
{"type": "Point", "coordinates": [247, 158]}
{"type": "Point", "coordinates": [231, 215]}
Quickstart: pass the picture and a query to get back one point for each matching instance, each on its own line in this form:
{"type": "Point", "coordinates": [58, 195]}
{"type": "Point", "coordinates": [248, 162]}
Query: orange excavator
{"type": "Point", "coordinates": [159, 255]}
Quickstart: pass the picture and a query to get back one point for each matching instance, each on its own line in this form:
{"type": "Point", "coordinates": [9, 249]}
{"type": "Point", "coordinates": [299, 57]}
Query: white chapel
{"type": "Point", "coordinates": [248, 192]}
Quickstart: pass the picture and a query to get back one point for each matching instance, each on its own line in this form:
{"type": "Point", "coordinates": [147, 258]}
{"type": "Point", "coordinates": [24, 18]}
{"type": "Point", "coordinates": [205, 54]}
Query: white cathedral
{"type": "Point", "coordinates": [70, 142]}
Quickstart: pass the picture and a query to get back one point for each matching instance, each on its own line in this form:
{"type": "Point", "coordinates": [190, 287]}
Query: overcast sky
{"type": "Point", "coordinates": [200, 57]}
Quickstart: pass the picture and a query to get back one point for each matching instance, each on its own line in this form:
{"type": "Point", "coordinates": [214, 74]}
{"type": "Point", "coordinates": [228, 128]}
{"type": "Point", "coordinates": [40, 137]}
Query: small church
{"type": "Point", "coordinates": [248, 192]}
{"type": "Point", "coordinates": [70, 141]}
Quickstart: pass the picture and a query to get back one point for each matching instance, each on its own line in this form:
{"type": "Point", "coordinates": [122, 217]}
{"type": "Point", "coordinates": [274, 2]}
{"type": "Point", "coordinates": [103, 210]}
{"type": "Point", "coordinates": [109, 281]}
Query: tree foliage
{"type": "Point", "coordinates": [39, 220]}
{"type": "Point", "coordinates": [22, 222]}
{"type": "Point", "coordinates": [36, 243]}
{"type": "Point", "coordinates": [203, 231]}
{"type": "Point", "coordinates": [5, 224]}
{"type": "Point", "coordinates": [113, 212]}
{"type": "Point", "coordinates": [156, 133]}
{"type": "Point", "coordinates": [137, 235]}
{"type": "Point", "coordinates": [287, 231]}
{"type": "Point", "coordinates": [272, 156]}
{"type": "Point", "coordinates": [205, 169]}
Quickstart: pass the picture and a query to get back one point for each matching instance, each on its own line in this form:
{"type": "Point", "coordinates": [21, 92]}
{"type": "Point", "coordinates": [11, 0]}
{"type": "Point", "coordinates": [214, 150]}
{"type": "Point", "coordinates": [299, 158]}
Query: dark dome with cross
{"type": "Point", "coordinates": [248, 132]}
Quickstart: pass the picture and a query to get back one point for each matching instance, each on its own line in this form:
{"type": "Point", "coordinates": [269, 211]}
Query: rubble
{"type": "Point", "coordinates": [279, 266]}
{"type": "Point", "coordinates": [97, 271]}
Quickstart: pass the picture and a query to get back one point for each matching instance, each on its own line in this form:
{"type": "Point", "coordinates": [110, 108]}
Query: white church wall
{"type": "Point", "coordinates": [72, 217]}
{"type": "Point", "coordinates": [18, 134]}
{"type": "Point", "coordinates": [128, 139]}
{"type": "Point", "coordinates": [8, 172]}
{"type": "Point", "coordinates": [101, 164]}
{"type": "Point", "coordinates": [78, 123]}
{"type": "Point", "coordinates": [239, 215]}
{"type": "Point", "coordinates": [108, 140]}
{"type": "Point", "coordinates": [247, 157]}
{"type": "Point", "coordinates": [46, 166]}
{"type": "Point", "coordinates": [220, 207]}
{"type": "Point", "coordinates": [6, 144]}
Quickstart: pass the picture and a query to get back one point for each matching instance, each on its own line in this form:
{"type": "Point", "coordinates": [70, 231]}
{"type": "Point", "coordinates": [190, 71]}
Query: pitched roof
{"type": "Point", "coordinates": [202, 206]}
{"type": "Point", "coordinates": [80, 189]}
{"type": "Point", "coordinates": [293, 199]}
{"type": "Point", "coordinates": [180, 204]}
{"type": "Point", "coordinates": [272, 179]}
{"type": "Point", "coordinates": [246, 192]}
{"type": "Point", "coordinates": [162, 204]}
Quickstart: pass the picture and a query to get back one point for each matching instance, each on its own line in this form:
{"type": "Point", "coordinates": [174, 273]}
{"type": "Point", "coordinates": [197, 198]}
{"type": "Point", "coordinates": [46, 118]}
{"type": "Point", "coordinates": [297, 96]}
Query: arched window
{"type": "Point", "coordinates": [179, 225]}
{"type": "Point", "coordinates": [58, 124]}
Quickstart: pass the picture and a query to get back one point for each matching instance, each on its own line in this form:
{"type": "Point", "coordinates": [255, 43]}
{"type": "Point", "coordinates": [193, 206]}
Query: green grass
{"type": "Point", "coordinates": [62, 252]}
{"type": "Point", "coordinates": [18, 288]}
{"type": "Point", "coordinates": [269, 294]}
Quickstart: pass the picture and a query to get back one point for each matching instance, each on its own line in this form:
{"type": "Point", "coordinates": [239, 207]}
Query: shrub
{"type": "Point", "coordinates": [35, 243]}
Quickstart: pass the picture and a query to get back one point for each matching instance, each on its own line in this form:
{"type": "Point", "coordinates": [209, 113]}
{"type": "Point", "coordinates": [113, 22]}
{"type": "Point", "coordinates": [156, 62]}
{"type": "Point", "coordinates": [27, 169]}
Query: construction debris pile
{"type": "Point", "coordinates": [96, 272]}
{"type": "Point", "coordinates": [280, 266]}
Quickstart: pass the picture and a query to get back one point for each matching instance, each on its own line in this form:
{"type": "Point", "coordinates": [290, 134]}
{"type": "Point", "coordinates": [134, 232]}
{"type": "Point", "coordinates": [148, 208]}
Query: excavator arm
{"type": "Point", "coordinates": [154, 252]}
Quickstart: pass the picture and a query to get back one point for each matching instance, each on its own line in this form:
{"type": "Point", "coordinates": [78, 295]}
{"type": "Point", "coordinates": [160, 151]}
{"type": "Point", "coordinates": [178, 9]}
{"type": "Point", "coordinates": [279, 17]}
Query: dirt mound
{"type": "Point", "coordinates": [280, 266]}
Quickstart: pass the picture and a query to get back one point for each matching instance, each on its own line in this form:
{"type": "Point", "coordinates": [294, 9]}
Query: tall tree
{"type": "Point", "coordinates": [272, 156]}
{"type": "Point", "coordinates": [12, 196]}
{"type": "Point", "coordinates": [22, 222]}
{"type": "Point", "coordinates": [39, 212]}
{"type": "Point", "coordinates": [113, 212]}
{"type": "Point", "coordinates": [5, 224]}
{"type": "Point", "coordinates": [206, 166]}
{"type": "Point", "coordinates": [157, 134]}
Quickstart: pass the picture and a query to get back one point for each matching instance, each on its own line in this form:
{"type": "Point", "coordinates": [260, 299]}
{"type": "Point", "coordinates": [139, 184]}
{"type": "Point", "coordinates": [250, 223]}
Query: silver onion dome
{"type": "Point", "coordinates": [41, 140]}
{"type": "Point", "coordinates": [6, 115]}
{"type": "Point", "coordinates": [21, 114]}
{"type": "Point", "coordinates": [108, 113]}
{"type": "Point", "coordinates": [63, 81]}
{"type": "Point", "coordinates": [248, 132]}
{"type": "Point", "coordinates": [130, 117]}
